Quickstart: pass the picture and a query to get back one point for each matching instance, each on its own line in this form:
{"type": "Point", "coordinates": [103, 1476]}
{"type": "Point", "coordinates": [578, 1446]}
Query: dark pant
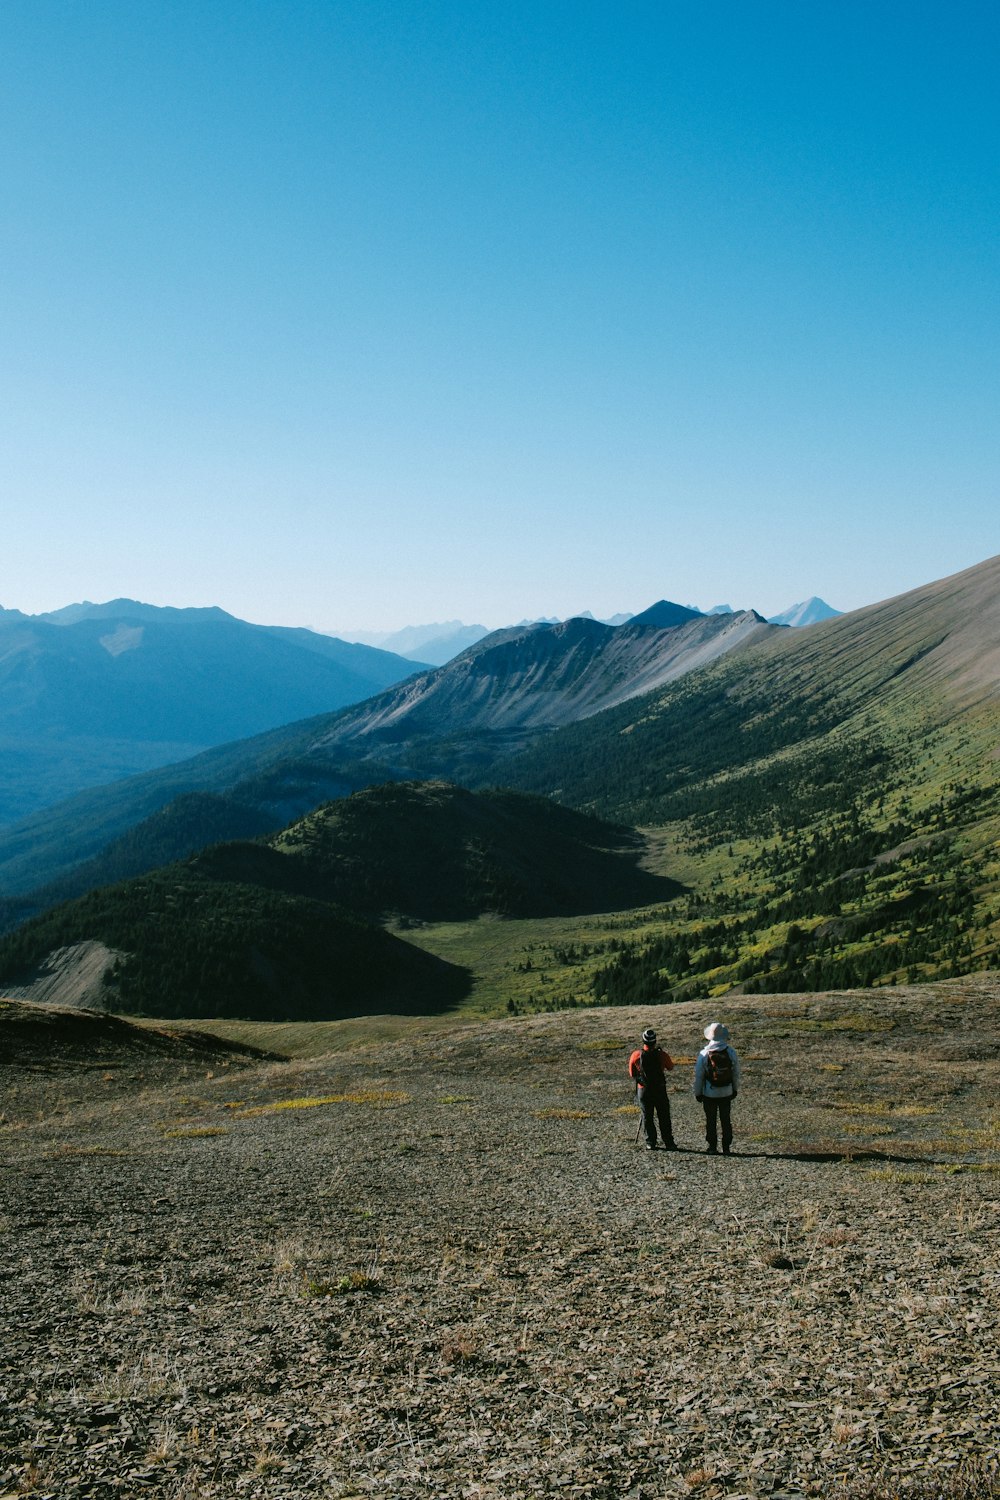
{"type": "Point", "coordinates": [655, 1106]}
{"type": "Point", "coordinates": [716, 1110]}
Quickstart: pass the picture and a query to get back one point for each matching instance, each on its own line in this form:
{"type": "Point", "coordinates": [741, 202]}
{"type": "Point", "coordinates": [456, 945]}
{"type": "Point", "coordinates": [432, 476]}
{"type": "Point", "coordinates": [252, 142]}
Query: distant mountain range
{"type": "Point", "coordinates": [96, 692]}
{"type": "Point", "coordinates": [455, 721]}
{"type": "Point", "coordinates": [438, 643]}
{"type": "Point", "coordinates": [433, 644]}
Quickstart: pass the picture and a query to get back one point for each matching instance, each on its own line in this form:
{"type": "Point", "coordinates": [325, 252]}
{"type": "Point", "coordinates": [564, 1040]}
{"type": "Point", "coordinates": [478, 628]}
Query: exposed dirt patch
{"type": "Point", "coordinates": [71, 976]}
{"type": "Point", "coordinates": [442, 1268]}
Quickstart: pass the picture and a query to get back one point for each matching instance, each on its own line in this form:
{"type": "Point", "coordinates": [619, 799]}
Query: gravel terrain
{"type": "Point", "coordinates": [444, 1268]}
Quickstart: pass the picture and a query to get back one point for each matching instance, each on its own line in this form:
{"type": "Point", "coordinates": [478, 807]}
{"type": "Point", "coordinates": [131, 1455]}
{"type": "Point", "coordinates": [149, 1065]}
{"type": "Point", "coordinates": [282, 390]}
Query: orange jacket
{"type": "Point", "coordinates": [666, 1062]}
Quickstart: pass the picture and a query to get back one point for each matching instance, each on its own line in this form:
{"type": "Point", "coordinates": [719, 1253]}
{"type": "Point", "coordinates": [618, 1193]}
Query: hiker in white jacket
{"type": "Point", "coordinates": [716, 1085]}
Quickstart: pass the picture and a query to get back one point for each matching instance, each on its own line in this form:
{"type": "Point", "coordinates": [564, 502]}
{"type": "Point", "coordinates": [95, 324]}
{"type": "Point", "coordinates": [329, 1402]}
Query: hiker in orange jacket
{"type": "Point", "coordinates": [647, 1067]}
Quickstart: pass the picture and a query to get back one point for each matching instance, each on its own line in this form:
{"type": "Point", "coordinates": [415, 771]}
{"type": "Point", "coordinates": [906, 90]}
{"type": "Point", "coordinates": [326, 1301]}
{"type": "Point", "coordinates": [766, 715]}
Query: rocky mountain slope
{"type": "Point", "coordinates": [520, 681]}
{"type": "Point", "coordinates": [430, 1265]}
{"type": "Point", "coordinates": [94, 693]}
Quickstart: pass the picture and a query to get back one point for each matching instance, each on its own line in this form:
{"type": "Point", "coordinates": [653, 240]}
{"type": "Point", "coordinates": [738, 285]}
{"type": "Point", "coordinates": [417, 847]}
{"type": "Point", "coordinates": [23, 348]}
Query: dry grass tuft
{"type": "Point", "coordinates": [379, 1098]}
{"type": "Point", "coordinates": [697, 1479]}
{"type": "Point", "coordinates": [460, 1347]}
{"type": "Point", "coordinates": [152, 1376]}
{"type": "Point", "coordinates": [976, 1480]}
{"type": "Point", "coordinates": [290, 1254]}
{"type": "Point", "coordinates": [353, 1281]}
{"type": "Point", "coordinates": [838, 1235]}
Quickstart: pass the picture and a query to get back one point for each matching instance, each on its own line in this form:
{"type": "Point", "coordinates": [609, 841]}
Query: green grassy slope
{"type": "Point", "coordinates": [833, 796]}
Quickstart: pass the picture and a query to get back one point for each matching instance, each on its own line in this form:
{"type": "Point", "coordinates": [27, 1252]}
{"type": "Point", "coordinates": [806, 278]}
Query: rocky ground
{"type": "Point", "coordinates": [444, 1268]}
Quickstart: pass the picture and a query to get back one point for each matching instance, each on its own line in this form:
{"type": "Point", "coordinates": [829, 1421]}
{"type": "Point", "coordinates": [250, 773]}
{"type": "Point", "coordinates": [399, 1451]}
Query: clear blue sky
{"type": "Point", "coordinates": [372, 312]}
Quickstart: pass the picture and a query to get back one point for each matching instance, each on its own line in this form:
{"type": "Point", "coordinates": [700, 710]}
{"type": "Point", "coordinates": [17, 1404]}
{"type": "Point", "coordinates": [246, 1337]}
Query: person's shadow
{"type": "Point", "coordinates": [848, 1154]}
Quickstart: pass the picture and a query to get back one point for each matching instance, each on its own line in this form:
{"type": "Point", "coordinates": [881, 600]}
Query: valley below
{"type": "Point", "coordinates": [432, 1261]}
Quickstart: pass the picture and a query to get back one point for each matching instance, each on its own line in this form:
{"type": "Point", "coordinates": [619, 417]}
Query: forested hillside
{"type": "Point", "coordinates": [285, 927]}
{"type": "Point", "coordinates": [195, 946]}
{"type": "Point", "coordinates": [431, 851]}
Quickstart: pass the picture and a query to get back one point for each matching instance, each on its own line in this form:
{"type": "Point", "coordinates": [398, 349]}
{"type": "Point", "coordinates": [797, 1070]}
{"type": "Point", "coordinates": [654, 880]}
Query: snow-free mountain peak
{"type": "Point", "coordinates": [665, 615]}
{"type": "Point", "coordinates": [809, 612]}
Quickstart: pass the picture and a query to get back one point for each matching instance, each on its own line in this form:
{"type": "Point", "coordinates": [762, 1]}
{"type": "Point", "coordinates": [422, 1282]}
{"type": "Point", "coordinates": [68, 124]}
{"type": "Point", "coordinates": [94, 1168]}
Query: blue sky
{"type": "Point", "coordinates": [355, 315]}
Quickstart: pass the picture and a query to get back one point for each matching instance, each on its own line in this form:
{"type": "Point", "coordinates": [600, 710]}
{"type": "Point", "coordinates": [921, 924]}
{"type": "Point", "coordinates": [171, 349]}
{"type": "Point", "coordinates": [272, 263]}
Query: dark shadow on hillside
{"type": "Point", "coordinates": [438, 853]}
{"type": "Point", "coordinates": [49, 1039]}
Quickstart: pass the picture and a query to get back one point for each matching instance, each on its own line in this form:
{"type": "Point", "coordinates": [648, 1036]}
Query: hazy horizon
{"type": "Point", "coordinates": [375, 636]}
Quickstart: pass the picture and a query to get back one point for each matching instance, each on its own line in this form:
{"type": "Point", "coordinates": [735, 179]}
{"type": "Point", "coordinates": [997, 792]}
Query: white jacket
{"type": "Point", "coordinates": [701, 1083]}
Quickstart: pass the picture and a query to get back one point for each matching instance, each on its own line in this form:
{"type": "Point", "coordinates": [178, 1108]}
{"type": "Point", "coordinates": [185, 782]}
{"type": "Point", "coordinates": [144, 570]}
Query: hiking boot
{"type": "Point", "coordinates": [713, 1151]}
{"type": "Point", "coordinates": [671, 1146]}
